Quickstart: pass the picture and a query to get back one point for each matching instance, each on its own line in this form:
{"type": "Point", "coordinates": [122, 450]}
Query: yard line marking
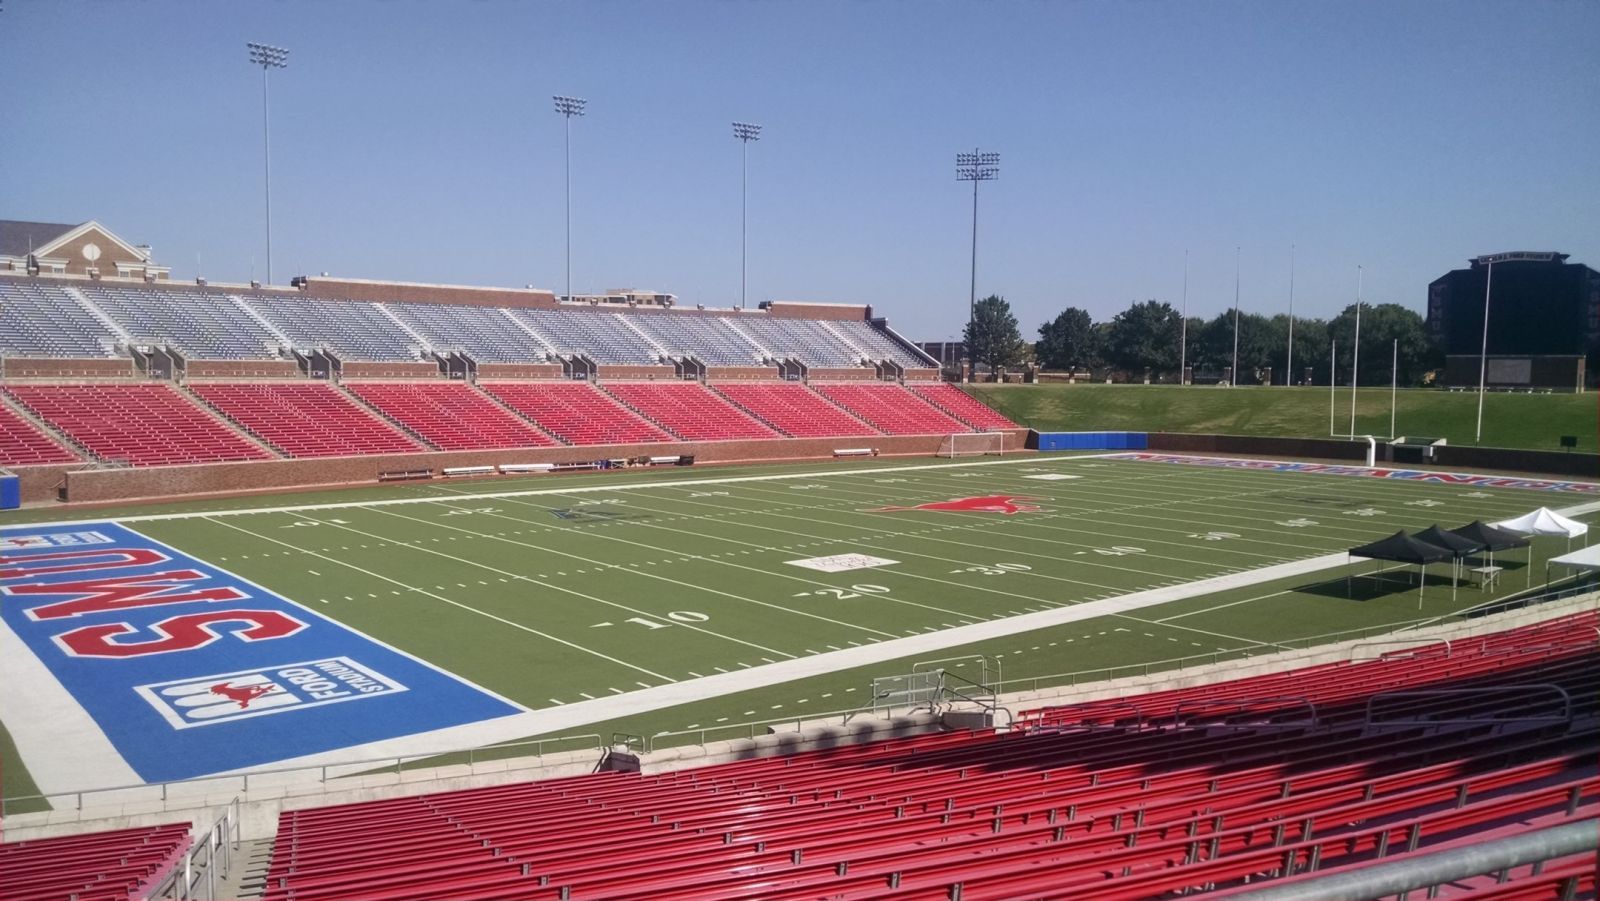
{"type": "Point", "coordinates": [571, 591]}
{"type": "Point", "coordinates": [615, 568]}
{"type": "Point", "coordinates": [466, 607]}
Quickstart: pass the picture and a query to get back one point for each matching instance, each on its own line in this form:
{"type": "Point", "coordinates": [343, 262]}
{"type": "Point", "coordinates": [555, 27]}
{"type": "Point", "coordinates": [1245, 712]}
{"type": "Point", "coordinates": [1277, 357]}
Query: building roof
{"type": "Point", "coordinates": [18, 239]}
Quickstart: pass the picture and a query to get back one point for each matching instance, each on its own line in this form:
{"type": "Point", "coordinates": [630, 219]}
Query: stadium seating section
{"type": "Point", "coordinates": [450, 415]}
{"type": "Point", "coordinates": [893, 409]}
{"type": "Point", "coordinates": [306, 419]}
{"type": "Point", "coordinates": [95, 866]}
{"type": "Point", "coordinates": [795, 410]}
{"type": "Point", "coordinates": [576, 412]}
{"type": "Point", "coordinates": [233, 334]}
{"type": "Point", "coordinates": [143, 425]}
{"type": "Point", "coordinates": [689, 410]}
{"type": "Point", "coordinates": [1134, 798]}
{"type": "Point", "coordinates": [962, 406]}
{"type": "Point", "coordinates": [22, 443]}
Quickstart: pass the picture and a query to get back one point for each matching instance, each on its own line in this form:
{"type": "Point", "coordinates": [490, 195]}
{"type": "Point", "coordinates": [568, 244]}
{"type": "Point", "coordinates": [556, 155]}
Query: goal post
{"type": "Point", "coordinates": [973, 444]}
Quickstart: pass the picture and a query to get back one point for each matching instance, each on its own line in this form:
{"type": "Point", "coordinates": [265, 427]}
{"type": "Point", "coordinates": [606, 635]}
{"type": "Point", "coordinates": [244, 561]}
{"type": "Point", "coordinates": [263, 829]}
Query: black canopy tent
{"type": "Point", "coordinates": [1400, 548]}
{"type": "Point", "coordinates": [1494, 539]}
{"type": "Point", "coordinates": [1459, 546]}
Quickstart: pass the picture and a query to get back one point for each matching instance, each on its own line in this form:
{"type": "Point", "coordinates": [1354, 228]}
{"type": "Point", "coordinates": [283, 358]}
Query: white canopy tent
{"type": "Point", "coordinates": [1543, 521]}
{"type": "Point", "coordinates": [1585, 559]}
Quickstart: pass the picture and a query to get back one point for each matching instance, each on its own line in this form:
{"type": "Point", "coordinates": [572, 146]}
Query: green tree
{"type": "Point", "coordinates": [992, 336]}
{"type": "Point", "coordinates": [1381, 325]}
{"type": "Point", "coordinates": [1067, 342]}
{"type": "Point", "coordinates": [1145, 336]}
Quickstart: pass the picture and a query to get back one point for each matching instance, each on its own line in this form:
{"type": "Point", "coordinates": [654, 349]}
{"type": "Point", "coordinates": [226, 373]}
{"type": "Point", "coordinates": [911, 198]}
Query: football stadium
{"type": "Point", "coordinates": [324, 587]}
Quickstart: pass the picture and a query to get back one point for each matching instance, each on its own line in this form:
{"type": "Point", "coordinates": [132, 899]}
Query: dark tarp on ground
{"type": "Point", "coordinates": [1402, 548]}
{"type": "Point", "coordinates": [1491, 538]}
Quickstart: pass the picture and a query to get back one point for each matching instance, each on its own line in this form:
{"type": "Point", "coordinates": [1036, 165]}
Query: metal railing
{"type": "Point", "coordinates": [208, 860]}
{"type": "Point", "coordinates": [347, 768]}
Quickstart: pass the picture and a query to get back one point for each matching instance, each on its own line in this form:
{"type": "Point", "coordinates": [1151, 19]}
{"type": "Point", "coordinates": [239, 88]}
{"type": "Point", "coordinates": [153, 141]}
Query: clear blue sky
{"type": "Point", "coordinates": [415, 140]}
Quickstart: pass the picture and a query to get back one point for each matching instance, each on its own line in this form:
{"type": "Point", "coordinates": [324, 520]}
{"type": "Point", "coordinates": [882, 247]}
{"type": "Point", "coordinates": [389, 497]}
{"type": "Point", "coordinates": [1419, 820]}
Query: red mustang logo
{"type": "Point", "coordinates": [243, 694]}
{"type": "Point", "coordinates": [992, 503]}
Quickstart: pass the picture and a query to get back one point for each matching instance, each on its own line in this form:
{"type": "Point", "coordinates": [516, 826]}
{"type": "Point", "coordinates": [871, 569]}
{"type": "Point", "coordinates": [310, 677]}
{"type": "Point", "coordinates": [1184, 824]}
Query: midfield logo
{"type": "Point", "coordinates": [991, 503]}
{"type": "Point", "coordinates": [228, 697]}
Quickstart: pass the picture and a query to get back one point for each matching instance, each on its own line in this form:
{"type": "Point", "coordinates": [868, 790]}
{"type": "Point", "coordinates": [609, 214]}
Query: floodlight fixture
{"type": "Point", "coordinates": [745, 132]}
{"type": "Point", "coordinates": [569, 107]}
{"type": "Point", "coordinates": [267, 57]}
{"type": "Point", "coordinates": [979, 165]}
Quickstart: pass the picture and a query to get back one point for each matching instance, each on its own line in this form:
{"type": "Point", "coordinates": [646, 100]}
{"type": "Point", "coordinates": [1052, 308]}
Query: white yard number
{"type": "Point", "coordinates": [301, 523]}
{"type": "Point", "coordinates": [464, 511]}
{"type": "Point", "coordinates": [677, 616]}
{"type": "Point", "coordinates": [994, 569]}
{"type": "Point", "coordinates": [806, 487]}
{"type": "Point", "coordinates": [843, 595]}
{"type": "Point", "coordinates": [708, 494]}
{"type": "Point", "coordinates": [591, 503]}
{"type": "Point", "coordinates": [1215, 536]}
{"type": "Point", "coordinates": [1118, 551]}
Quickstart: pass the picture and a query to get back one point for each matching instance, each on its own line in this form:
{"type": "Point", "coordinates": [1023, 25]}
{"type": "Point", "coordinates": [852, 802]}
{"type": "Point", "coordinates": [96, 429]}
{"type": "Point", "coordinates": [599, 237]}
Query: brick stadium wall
{"type": "Point", "coordinates": [103, 485]}
{"type": "Point", "coordinates": [657, 373]}
{"type": "Point", "coordinates": [94, 368]}
{"type": "Point", "coordinates": [853, 374]}
{"type": "Point", "coordinates": [237, 369]}
{"type": "Point", "coordinates": [519, 370]}
{"type": "Point", "coordinates": [1546, 463]}
{"type": "Point", "coordinates": [922, 375]}
{"type": "Point", "coordinates": [39, 483]}
{"type": "Point", "coordinates": [1322, 448]}
{"type": "Point", "coordinates": [1582, 466]}
{"type": "Point", "coordinates": [789, 309]}
{"type": "Point", "coordinates": [741, 373]}
{"type": "Point", "coordinates": [350, 289]}
{"type": "Point", "coordinates": [390, 370]}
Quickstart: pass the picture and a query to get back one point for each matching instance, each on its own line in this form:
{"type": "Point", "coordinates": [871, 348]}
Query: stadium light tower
{"type": "Point", "coordinates": [746, 133]}
{"type": "Point", "coordinates": [267, 57]}
{"type": "Point", "coordinates": [569, 107]}
{"type": "Point", "coordinates": [975, 167]}
{"type": "Point", "coordinates": [1233, 374]}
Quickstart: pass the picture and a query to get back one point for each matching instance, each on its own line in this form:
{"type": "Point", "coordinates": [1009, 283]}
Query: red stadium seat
{"type": "Point", "coordinates": [144, 424]}
{"type": "Point", "coordinates": [306, 419]}
{"type": "Point", "coordinates": [449, 415]}
{"type": "Point", "coordinates": [576, 412]}
{"type": "Point", "coordinates": [689, 410]}
{"type": "Point", "coordinates": [893, 409]}
{"type": "Point", "coordinates": [795, 410]}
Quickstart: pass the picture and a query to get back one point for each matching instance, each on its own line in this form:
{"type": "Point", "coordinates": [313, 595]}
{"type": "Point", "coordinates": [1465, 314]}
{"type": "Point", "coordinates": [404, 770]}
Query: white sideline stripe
{"type": "Point", "coordinates": [532, 492]}
{"type": "Point", "coordinates": [574, 715]}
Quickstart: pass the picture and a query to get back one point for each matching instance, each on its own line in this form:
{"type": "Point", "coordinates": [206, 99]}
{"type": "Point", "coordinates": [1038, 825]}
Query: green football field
{"type": "Point", "coordinates": [783, 590]}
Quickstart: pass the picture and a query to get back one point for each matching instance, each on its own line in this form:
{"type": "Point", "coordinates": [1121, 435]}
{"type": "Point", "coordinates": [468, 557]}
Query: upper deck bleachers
{"type": "Point", "coordinates": [93, 866]}
{"type": "Point", "coordinates": [483, 332]}
{"type": "Point", "coordinates": [707, 338]}
{"type": "Point", "coordinates": [576, 412]}
{"type": "Point", "coordinates": [878, 345]}
{"type": "Point", "coordinates": [803, 339]}
{"type": "Point", "coordinates": [306, 419]}
{"type": "Point", "coordinates": [690, 410]}
{"type": "Point", "coordinates": [893, 409]}
{"type": "Point", "coordinates": [963, 406]}
{"type": "Point", "coordinates": [21, 442]}
{"type": "Point", "coordinates": [1150, 810]}
{"type": "Point", "coordinates": [449, 415]}
{"type": "Point", "coordinates": [142, 424]}
{"type": "Point", "coordinates": [599, 334]}
{"type": "Point", "coordinates": [794, 409]}
{"type": "Point", "coordinates": [353, 330]}
{"type": "Point", "coordinates": [205, 325]}
{"type": "Point", "coordinates": [39, 319]}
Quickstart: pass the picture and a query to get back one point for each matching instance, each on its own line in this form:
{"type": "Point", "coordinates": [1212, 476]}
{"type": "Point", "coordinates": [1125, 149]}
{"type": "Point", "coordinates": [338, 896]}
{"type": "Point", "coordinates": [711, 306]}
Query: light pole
{"type": "Point", "coordinates": [569, 107]}
{"type": "Point", "coordinates": [1288, 368]}
{"type": "Point", "coordinates": [746, 133]}
{"type": "Point", "coordinates": [1355, 356]}
{"type": "Point", "coordinates": [1483, 352]}
{"type": "Point", "coordinates": [1183, 330]}
{"type": "Point", "coordinates": [267, 57]}
{"type": "Point", "coordinates": [975, 167]}
{"type": "Point", "coordinates": [1233, 374]}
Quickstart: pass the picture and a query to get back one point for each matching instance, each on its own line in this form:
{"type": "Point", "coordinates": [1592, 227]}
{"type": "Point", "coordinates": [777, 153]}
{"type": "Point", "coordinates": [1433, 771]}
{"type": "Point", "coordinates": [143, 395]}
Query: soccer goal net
{"type": "Point", "coordinates": [971, 444]}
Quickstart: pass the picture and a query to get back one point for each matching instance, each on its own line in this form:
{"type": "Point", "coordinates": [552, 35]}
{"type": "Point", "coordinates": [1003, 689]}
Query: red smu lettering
{"type": "Point", "coordinates": [109, 558]}
{"type": "Point", "coordinates": [178, 633]}
{"type": "Point", "coordinates": [116, 593]}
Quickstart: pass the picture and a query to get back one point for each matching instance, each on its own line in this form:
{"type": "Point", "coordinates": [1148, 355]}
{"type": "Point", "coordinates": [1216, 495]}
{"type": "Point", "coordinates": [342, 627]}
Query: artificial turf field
{"type": "Point", "coordinates": [678, 601]}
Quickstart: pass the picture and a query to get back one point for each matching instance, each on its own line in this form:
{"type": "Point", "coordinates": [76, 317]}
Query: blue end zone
{"type": "Point", "coordinates": [190, 670]}
{"type": "Point", "coordinates": [1064, 441]}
